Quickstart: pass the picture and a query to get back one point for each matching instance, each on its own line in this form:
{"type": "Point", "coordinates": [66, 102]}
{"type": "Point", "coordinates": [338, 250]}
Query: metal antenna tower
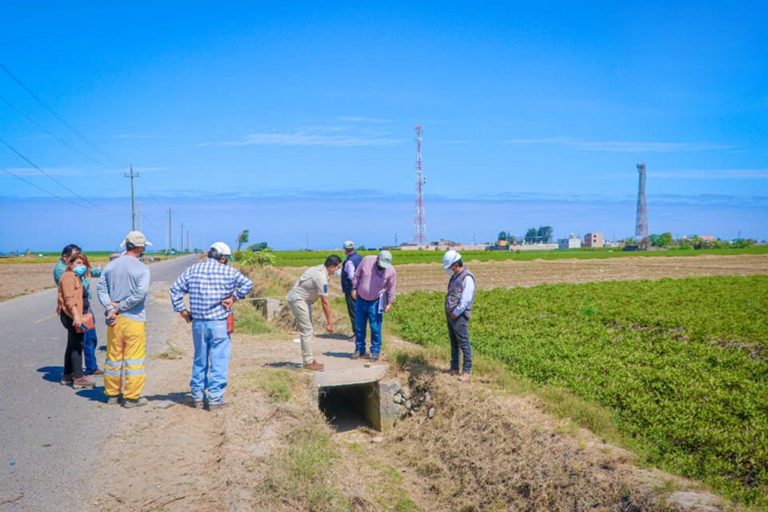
{"type": "Point", "coordinates": [641, 222]}
{"type": "Point", "coordinates": [420, 222]}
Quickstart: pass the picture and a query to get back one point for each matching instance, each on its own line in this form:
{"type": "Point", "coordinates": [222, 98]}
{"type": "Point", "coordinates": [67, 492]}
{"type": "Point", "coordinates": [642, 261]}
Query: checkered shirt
{"type": "Point", "coordinates": [208, 283]}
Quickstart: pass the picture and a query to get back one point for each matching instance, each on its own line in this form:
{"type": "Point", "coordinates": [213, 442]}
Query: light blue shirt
{"type": "Point", "coordinates": [467, 296]}
{"type": "Point", "coordinates": [125, 281]}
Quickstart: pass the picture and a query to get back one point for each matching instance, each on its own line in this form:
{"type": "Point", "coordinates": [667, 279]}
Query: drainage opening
{"type": "Point", "coordinates": [350, 407]}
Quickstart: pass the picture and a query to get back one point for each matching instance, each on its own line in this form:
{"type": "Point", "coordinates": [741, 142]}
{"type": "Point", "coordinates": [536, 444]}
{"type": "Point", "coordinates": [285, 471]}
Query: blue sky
{"type": "Point", "coordinates": [296, 120]}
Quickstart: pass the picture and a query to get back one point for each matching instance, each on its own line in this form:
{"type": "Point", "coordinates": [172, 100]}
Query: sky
{"type": "Point", "coordinates": [296, 120]}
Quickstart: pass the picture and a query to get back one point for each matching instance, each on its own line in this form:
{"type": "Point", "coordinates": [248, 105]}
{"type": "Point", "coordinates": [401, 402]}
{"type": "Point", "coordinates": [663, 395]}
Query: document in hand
{"type": "Point", "coordinates": [382, 301]}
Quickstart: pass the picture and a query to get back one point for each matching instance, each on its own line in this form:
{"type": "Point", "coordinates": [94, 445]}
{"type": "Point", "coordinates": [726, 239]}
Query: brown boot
{"type": "Point", "coordinates": [314, 365]}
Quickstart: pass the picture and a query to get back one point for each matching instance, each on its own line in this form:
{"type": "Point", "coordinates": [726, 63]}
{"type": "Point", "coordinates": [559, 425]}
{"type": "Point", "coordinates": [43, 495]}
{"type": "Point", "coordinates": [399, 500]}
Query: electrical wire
{"type": "Point", "coordinates": [33, 164]}
{"type": "Point", "coordinates": [41, 188]}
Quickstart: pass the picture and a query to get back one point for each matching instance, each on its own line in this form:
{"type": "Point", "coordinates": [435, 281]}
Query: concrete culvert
{"type": "Point", "coordinates": [349, 407]}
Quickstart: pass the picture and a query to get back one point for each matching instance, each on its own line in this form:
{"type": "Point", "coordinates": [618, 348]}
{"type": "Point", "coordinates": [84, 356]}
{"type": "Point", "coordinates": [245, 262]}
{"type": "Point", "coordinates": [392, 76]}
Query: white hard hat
{"type": "Point", "coordinates": [222, 248]}
{"type": "Point", "coordinates": [450, 257]}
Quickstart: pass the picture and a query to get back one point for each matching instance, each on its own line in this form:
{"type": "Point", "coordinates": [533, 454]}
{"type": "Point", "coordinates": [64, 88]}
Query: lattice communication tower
{"type": "Point", "coordinates": [420, 222]}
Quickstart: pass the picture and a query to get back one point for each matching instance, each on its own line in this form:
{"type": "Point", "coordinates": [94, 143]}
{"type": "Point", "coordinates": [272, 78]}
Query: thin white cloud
{"type": "Point", "coordinates": [713, 174]}
{"type": "Point", "coordinates": [307, 138]}
{"type": "Point", "coordinates": [620, 146]}
{"type": "Point", "coordinates": [136, 136]}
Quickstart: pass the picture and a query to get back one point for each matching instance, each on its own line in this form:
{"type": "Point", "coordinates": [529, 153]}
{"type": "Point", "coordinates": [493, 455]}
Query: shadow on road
{"type": "Point", "coordinates": [177, 397]}
{"type": "Point", "coordinates": [94, 394]}
{"type": "Point", "coordinates": [283, 364]}
{"type": "Point", "coordinates": [344, 355]}
{"type": "Point", "coordinates": [52, 373]}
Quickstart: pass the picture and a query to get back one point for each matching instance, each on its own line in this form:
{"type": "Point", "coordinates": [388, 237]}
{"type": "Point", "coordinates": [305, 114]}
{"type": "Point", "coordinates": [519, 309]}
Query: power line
{"type": "Point", "coordinates": [54, 114]}
{"type": "Point", "coordinates": [33, 164]}
{"type": "Point", "coordinates": [41, 188]}
{"type": "Point", "coordinates": [64, 142]}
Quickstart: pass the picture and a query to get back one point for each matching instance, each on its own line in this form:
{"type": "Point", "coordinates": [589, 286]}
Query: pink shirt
{"type": "Point", "coordinates": [370, 281]}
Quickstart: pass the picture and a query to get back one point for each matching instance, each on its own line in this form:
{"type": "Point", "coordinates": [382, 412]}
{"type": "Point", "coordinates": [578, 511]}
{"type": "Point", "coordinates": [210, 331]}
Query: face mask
{"type": "Point", "coordinates": [338, 272]}
{"type": "Point", "coordinates": [79, 270]}
{"type": "Point", "coordinates": [448, 271]}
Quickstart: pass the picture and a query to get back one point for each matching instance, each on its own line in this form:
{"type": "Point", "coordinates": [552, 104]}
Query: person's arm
{"type": "Point", "coordinates": [391, 291]}
{"type": "Point", "coordinates": [102, 292]}
{"type": "Point", "coordinates": [243, 286]}
{"type": "Point", "coordinates": [137, 295]}
{"type": "Point", "coordinates": [178, 289]}
{"type": "Point", "coordinates": [57, 271]}
{"type": "Point", "coordinates": [356, 280]}
{"type": "Point", "coordinates": [327, 310]}
{"type": "Point", "coordinates": [349, 270]}
{"type": "Point", "coordinates": [467, 296]}
{"type": "Point", "coordinates": [69, 295]}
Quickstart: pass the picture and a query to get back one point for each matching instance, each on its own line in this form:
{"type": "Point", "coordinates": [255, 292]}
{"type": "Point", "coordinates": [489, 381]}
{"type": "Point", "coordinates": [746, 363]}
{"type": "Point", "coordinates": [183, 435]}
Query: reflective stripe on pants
{"type": "Point", "coordinates": [126, 350]}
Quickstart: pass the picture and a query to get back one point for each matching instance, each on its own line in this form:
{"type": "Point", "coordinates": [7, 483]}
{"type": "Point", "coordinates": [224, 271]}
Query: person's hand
{"type": "Point", "coordinates": [329, 328]}
{"type": "Point", "coordinates": [77, 321]}
{"type": "Point", "coordinates": [186, 316]}
{"type": "Point", "coordinates": [111, 317]}
{"type": "Point", "coordinates": [354, 294]}
{"type": "Point", "coordinates": [114, 305]}
{"type": "Point", "coordinates": [228, 302]}
{"type": "Point", "coordinates": [453, 316]}
{"type": "Point", "coordinates": [388, 308]}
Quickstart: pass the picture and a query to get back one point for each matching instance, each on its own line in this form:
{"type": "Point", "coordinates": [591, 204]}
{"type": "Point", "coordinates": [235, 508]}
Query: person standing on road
{"type": "Point", "coordinates": [347, 274]}
{"type": "Point", "coordinates": [70, 310]}
{"type": "Point", "coordinates": [90, 340]}
{"type": "Point", "coordinates": [458, 311]}
{"type": "Point", "coordinates": [122, 290]}
{"type": "Point", "coordinates": [373, 289]}
{"type": "Point", "coordinates": [312, 284]}
{"type": "Point", "coordinates": [213, 288]}
{"type": "Point", "coordinates": [63, 263]}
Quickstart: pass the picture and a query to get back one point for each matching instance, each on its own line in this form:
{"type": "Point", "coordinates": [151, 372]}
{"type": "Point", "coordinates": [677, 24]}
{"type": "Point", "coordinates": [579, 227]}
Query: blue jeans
{"type": "Point", "coordinates": [367, 311]}
{"type": "Point", "coordinates": [89, 351]}
{"type": "Point", "coordinates": [211, 363]}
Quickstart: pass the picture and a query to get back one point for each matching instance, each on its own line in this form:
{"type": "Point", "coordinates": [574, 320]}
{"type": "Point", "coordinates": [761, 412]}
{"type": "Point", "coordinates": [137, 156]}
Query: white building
{"type": "Point", "coordinates": [572, 242]}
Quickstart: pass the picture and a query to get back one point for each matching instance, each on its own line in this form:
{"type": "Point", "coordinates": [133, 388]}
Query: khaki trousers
{"type": "Point", "coordinates": [302, 312]}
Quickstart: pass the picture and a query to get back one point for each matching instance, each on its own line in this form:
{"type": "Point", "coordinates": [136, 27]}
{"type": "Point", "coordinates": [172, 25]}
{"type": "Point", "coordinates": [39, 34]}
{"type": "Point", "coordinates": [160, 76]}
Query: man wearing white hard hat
{"type": "Point", "coordinates": [458, 310]}
{"type": "Point", "coordinates": [122, 290]}
{"type": "Point", "coordinates": [213, 287]}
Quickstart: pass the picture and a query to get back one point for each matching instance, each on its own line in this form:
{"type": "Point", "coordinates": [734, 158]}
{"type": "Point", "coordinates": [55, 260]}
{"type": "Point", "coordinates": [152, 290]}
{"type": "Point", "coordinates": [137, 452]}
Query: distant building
{"type": "Point", "coordinates": [707, 238]}
{"type": "Point", "coordinates": [594, 240]}
{"type": "Point", "coordinates": [572, 242]}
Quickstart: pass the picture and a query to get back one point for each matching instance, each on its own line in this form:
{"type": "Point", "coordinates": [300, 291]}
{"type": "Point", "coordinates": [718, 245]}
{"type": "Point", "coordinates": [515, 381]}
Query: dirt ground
{"type": "Point", "coordinates": [480, 451]}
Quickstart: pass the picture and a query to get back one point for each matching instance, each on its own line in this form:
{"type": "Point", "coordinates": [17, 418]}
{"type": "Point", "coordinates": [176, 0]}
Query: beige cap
{"type": "Point", "coordinates": [349, 244]}
{"type": "Point", "coordinates": [385, 259]}
{"type": "Point", "coordinates": [137, 239]}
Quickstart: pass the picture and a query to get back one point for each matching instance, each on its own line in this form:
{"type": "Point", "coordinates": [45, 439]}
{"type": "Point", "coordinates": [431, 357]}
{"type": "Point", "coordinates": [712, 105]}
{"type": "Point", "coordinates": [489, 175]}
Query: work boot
{"type": "Point", "coordinates": [314, 365]}
{"type": "Point", "coordinates": [139, 402]}
{"type": "Point", "coordinates": [67, 379]}
{"type": "Point", "coordinates": [82, 382]}
{"type": "Point", "coordinates": [113, 400]}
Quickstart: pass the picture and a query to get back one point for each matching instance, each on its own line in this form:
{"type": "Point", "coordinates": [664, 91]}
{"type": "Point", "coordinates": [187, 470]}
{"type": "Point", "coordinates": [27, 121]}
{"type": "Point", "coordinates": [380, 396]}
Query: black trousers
{"type": "Point", "coordinates": [350, 309]}
{"type": "Point", "coordinates": [458, 330]}
{"type": "Point", "coordinates": [73, 355]}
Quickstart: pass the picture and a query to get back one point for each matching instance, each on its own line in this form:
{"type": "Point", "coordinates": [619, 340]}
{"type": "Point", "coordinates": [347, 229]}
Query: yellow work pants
{"type": "Point", "coordinates": [126, 350]}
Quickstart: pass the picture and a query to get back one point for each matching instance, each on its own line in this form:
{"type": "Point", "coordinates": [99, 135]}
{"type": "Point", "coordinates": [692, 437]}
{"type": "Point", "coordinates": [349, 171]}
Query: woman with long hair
{"type": "Point", "coordinates": [70, 310]}
{"type": "Point", "coordinates": [90, 340]}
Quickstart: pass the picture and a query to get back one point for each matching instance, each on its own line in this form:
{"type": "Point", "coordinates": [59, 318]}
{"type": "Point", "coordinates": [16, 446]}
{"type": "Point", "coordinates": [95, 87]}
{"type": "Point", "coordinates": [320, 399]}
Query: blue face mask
{"type": "Point", "coordinates": [79, 270]}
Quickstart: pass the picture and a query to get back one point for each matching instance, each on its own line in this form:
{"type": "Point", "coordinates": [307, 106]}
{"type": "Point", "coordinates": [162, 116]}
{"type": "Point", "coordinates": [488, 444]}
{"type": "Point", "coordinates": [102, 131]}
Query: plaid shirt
{"type": "Point", "coordinates": [208, 283]}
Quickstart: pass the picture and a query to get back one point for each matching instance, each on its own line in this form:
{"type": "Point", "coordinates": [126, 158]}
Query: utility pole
{"type": "Point", "coordinates": [168, 239]}
{"type": "Point", "coordinates": [181, 241]}
{"type": "Point", "coordinates": [133, 176]}
{"type": "Point", "coordinates": [189, 247]}
{"type": "Point", "coordinates": [138, 207]}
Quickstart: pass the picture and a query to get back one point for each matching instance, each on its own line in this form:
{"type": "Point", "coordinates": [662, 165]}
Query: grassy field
{"type": "Point", "coordinates": [683, 364]}
{"type": "Point", "coordinates": [309, 258]}
{"type": "Point", "coordinates": [97, 257]}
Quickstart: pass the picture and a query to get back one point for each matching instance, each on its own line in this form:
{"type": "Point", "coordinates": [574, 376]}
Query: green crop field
{"type": "Point", "coordinates": [683, 364]}
{"type": "Point", "coordinates": [309, 258]}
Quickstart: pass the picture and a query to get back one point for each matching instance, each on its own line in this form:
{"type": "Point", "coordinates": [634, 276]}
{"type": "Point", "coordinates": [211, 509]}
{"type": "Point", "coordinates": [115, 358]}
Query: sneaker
{"type": "Point", "coordinates": [464, 377]}
{"type": "Point", "coordinates": [66, 380]}
{"type": "Point", "coordinates": [139, 402]}
{"type": "Point", "coordinates": [373, 358]}
{"type": "Point", "coordinates": [113, 400]}
{"type": "Point", "coordinates": [216, 407]}
{"type": "Point", "coordinates": [83, 382]}
{"type": "Point", "coordinates": [357, 355]}
{"type": "Point", "coordinates": [453, 373]}
{"type": "Point", "coordinates": [314, 365]}
{"type": "Point", "coordinates": [97, 371]}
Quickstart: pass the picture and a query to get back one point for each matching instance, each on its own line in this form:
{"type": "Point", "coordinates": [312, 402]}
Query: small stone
{"type": "Point", "coordinates": [427, 396]}
{"type": "Point", "coordinates": [406, 392]}
{"type": "Point", "coordinates": [397, 399]}
{"type": "Point", "coordinates": [431, 413]}
{"type": "Point", "coordinates": [421, 399]}
{"type": "Point", "coordinates": [377, 439]}
{"type": "Point", "coordinates": [408, 404]}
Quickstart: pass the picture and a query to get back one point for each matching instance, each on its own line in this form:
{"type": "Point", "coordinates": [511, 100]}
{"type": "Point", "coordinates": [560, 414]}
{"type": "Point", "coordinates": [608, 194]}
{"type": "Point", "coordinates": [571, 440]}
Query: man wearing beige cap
{"type": "Point", "coordinates": [122, 291]}
{"type": "Point", "coordinates": [347, 274]}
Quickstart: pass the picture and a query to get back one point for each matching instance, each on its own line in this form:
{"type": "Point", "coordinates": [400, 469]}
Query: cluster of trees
{"type": "Point", "coordinates": [244, 237]}
{"type": "Point", "coordinates": [256, 254]}
{"type": "Point", "coordinates": [695, 242]}
{"type": "Point", "coordinates": [542, 234]}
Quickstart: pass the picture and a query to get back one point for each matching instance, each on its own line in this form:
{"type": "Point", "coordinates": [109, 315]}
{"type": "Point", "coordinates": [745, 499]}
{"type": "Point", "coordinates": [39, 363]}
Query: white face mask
{"type": "Point", "coordinates": [448, 271]}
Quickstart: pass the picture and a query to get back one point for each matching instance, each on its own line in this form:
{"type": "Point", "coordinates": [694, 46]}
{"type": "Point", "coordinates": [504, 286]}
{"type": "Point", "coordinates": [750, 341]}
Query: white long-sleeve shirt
{"type": "Point", "coordinates": [467, 296]}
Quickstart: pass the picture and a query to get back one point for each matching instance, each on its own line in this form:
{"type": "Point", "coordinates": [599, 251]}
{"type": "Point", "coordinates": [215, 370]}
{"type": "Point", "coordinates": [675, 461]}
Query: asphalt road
{"type": "Point", "coordinates": [53, 439]}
